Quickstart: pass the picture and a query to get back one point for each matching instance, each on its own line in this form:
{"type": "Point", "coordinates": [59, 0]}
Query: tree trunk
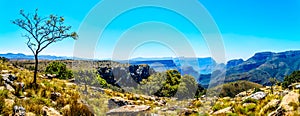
{"type": "Point", "coordinates": [35, 68]}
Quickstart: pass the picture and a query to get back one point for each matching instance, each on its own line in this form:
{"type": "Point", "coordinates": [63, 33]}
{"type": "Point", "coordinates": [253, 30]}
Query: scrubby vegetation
{"type": "Point", "coordinates": [171, 83]}
{"type": "Point", "coordinates": [37, 97]}
{"type": "Point", "coordinates": [292, 78]}
{"type": "Point", "coordinates": [59, 69]}
{"type": "Point", "coordinates": [4, 59]}
{"type": "Point", "coordinates": [90, 94]}
{"type": "Point", "coordinates": [233, 88]}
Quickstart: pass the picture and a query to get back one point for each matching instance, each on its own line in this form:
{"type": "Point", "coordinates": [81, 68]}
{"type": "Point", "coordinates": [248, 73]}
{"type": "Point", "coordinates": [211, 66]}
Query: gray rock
{"type": "Point", "coordinates": [50, 76]}
{"type": "Point", "coordinates": [12, 77]}
{"type": "Point", "coordinates": [20, 86]}
{"type": "Point", "coordinates": [258, 95]}
{"type": "Point", "coordinates": [9, 87]}
{"type": "Point", "coordinates": [297, 86]}
{"type": "Point", "coordinates": [278, 112]}
{"type": "Point", "coordinates": [128, 110]}
{"type": "Point", "coordinates": [187, 112]}
{"type": "Point", "coordinates": [273, 103]}
{"type": "Point", "coordinates": [118, 102]}
{"type": "Point", "coordinates": [19, 111]}
{"type": "Point", "coordinates": [285, 92]}
{"type": "Point", "coordinates": [223, 111]}
{"type": "Point", "coordinates": [292, 97]}
{"type": "Point", "coordinates": [242, 94]}
{"type": "Point", "coordinates": [4, 71]}
{"type": "Point", "coordinates": [50, 111]}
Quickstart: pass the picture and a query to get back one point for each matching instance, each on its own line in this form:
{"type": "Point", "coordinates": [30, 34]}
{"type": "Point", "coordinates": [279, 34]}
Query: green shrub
{"type": "Point", "coordinates": [250, 100]}
{"type": "Point", "coordinates": [217, 107]}
{"type": "Point", "coordinates": [4, 59]}
{"type": "Point", "coordinates": [233, 88]}
{"type": "Point", "coordinates": [4, 93]}
{"type": "Point", "coordinates": [60, 69]}
{"type": "Point", "coordinates": [102, 81]}
{"type": "Point", "coordinates": [292, 78]}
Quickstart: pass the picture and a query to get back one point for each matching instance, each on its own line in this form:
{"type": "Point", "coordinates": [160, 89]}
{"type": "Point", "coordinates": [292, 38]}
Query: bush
{"type": "Point", "coordinates": [171, 83]}
{"type": "Point", "coordinates": [250, 100]}
{"type": "Point", "coordinates": [60, 69]}
{"type": "Point", "coordinates": [4, 59]}
{"type": "Point", "coordinates": [292, 78]}
{"type": "Point", "coordinates": [217, 107]}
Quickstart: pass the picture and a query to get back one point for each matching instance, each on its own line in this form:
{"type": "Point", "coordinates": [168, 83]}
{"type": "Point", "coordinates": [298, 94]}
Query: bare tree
{"type": "Point", "coordinates": [42, 31]}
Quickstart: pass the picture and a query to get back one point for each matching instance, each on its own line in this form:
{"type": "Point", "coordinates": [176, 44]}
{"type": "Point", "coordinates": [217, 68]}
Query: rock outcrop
{"type": "Point", "coordinates": [258, 95]}
{"type": "Point", "coordinates": [125, 76]}
{"type": "Point", "coordinates": [50, 111]}
{"type": "Point", "coordinates": [19, 111]}
{"type": "Point", "coordinates": [128, 110]}
{"type": "Point", "coordinates": [223, 111]}
{"type": "Point", "coordinates": [288, 99]}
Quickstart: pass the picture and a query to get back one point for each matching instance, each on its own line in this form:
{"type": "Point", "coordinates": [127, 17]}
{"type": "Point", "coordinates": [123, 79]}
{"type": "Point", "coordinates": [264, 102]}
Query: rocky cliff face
{"type": "Point", "coordinates": [123, 76]}
{"type": "Point", "coordinates": [261, 67]}
{"type": "Point", "coordinates": [233, 63]}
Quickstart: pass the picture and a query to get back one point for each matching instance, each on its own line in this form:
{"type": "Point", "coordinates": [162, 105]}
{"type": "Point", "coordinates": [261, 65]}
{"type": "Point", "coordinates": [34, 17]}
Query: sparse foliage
{"type": "Point", "coordinates": [42, 31]}
{"type": "Point", "coordinates": [273, 81]}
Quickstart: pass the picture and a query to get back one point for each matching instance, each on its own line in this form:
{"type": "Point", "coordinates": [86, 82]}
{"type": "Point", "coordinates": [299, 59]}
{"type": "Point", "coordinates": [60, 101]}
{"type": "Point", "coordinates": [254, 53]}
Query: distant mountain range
{"type": "Point", "coordinates": [20, 56]}
{"type": "Point", "coordinates": [259, 68]}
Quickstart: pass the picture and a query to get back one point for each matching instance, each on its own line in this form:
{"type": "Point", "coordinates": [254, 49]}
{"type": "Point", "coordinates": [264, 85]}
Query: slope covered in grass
{"type": "Point", "coordinates": [233, 88]}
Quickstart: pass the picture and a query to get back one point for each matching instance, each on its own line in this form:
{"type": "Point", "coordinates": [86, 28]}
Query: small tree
{"type": "Point", "coordinates": [60, 69]}
{"type": "Point", "coordinates": [273, 81]}
{"type": "Point", "coordinates": [42, 31]}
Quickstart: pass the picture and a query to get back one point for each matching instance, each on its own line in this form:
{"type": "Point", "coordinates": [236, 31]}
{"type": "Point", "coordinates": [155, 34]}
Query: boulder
{"type": "Point", "coordinates": [248, 104]}
{"type": "Point", "coordinates": [278, 112]}
{"type": "Point", "coordinates": [19, 111]}
{"type": "Point", "coordinates": [66, 108]}
{"type": "Point", "coordinates": [5, 75]}
{"type": "Point", "coordinates": [285, 92]}
{"type": "Point", "coordinates": [4, 71]}
{"type": "Point", "coordinates": [223, 111]}
{"type": "Point", "coordinates": [297, 86]}
{"type": "Point", "coordinates": [71, 80]}
{"type": "Point", "coordinates": [51, 76]}
{"type": "Point", "coordinates": [242, 94]}
{"type": "Point", "coordinates": [19, 86]}
{"type": "Point", "coordinates": [160, 102]}
{"type": "Point", "coordinates": [117, 102]}
{"type": "Point", "coordinates": [50, 111]}
{"type": "Point", "coordinates": [9, 87]}
{"type": "Point", "coordinates": [128, 110]}
{"type": "Point", "coordinates": [12, 77]}
{"type": "Point", "coordinates": [258, 95]}
{"type": "Point", "coordinates": [7, 81]}
{"type": "Point", "coordinates": [187, 112]}
{"type": "Point", "coordinates": [273, 103]}
{"type": "Point", "coordinates": [292, 97]}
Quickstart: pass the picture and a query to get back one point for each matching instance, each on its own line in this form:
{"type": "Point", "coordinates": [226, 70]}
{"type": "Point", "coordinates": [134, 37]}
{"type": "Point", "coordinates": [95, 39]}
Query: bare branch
{"type": "Point", "coordinates": [44, 31]}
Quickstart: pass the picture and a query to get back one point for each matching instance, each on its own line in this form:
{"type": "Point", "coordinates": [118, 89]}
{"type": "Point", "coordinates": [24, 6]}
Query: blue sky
{"type": "Point", "coordinates": [247, 26]}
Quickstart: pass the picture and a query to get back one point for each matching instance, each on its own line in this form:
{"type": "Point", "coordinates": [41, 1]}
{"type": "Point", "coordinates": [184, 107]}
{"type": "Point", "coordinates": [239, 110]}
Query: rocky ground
{"type": "Point", "coordinates": [56, 97]}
